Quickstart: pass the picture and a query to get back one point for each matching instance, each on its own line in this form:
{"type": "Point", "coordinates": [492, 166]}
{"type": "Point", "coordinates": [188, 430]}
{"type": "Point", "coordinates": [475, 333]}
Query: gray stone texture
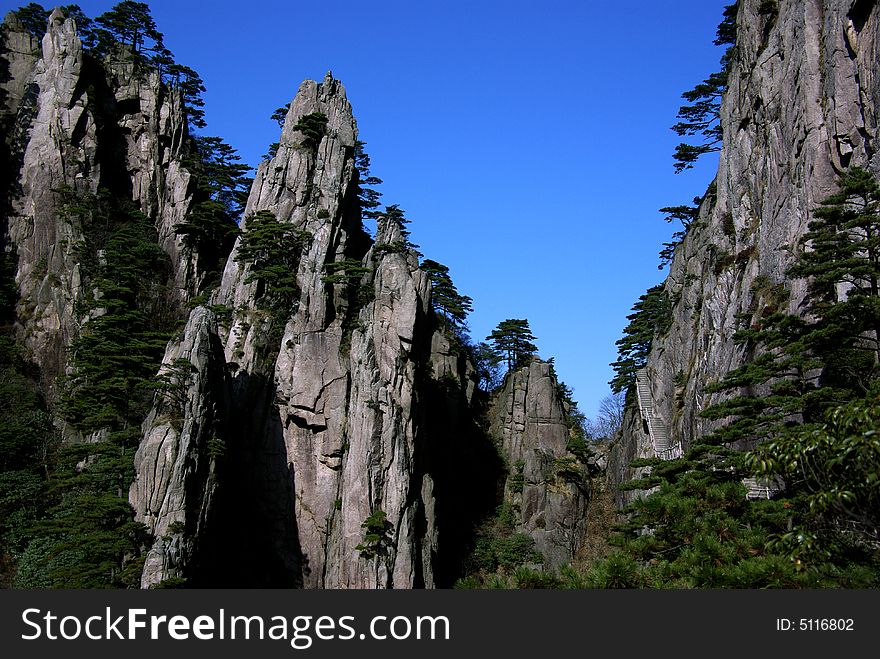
{"type": "Point", "coordinates": [799, 109]}
{"type": "Point", "coordinates": [82, 125]}
{"type": "Point", "coordinates": [530, 421]}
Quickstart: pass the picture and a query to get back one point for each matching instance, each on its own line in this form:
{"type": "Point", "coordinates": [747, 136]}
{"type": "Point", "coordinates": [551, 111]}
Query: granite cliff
{"type": "Point", "coordinates": [799, 109]}
{"type": "Point", "coordinates": [74, 123]}
{"type": "Point", "coordinates": [550, 476]}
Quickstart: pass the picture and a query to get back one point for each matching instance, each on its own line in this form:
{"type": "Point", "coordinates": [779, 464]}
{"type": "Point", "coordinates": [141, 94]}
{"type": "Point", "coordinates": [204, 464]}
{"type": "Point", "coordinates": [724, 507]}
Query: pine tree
{"type": "Point", "coordinates": [368, 196]}
{"type": "Point", "coordinates": [222, 182]}
{"type": "Point", "coordinates": [807, 364]}
{"type": "Point", "coordinates": [652, 316]}
{"type": "Point", "coordinates": [807, 394]}
{"type": "Point", "coordinates": [33, 18]}
{"type": "Point", "coordinates": [191, 87]}
{"type": "Point", "coordinates": [698, 530]}
{"type": "Point", "coordinates": [222, 177]}
{"type": "Point", "coordinates": [280, 115]}
{"type": "Point", "coordinates": [445, 298]}
{"type": "Point", "coordinates": [313, 127]}
{"type": "Point", "coordinates": [87, 536]}
{"type": "Point", "coordinates": [843, 259]}
{"type": "Point", "coordinates": [273, 250]}
{"type": "Point", "coordinates": [826, 455]}
{"type": "Point", "coordinates": [512, 340]}
{"type": "Point", "coordinates": [687, 215]}
{"type": "Point", "coordinates": [701, 118]}
{"type": "Point", "coordinates": [394, 214]}
{"type": "Point", "coordinates": [487, 365]}
{"type": "Point", "coordinates": [131, 24]}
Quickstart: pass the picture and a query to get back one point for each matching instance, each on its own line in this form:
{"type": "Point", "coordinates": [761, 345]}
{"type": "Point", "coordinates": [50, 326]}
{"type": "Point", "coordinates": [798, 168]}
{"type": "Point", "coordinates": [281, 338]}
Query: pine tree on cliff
{"type": "Point", "coordinates": [512, 340]}
{"type": "Point", "coordinates": [445, 298]}
{"type": "Point", "coordinates": [685, 214]}
{"type": "Point", "coordinates": [33, 18]}
{"type": "Point", "coordinates": [651, 316]}
{"type": "Point", "coordinates": [191, 88]}
{"type": "Point", "coordinates": [280, 115]}
{"type": "Point", "coordinates": [87, 536]}
{"type": "Point", "coordinates": [222, 184]}
{"type": "Point", "coordinates": [822, 373]}
{"type": "Point", "coordinates": [829, 355]}
{"type": "Point", "coordinates": [313, 127]}
{"type": "Point", "coordinates": [368, 196]}
{"type": "Point", "coordinates": [131, 24]}
{"type": "Point", "coordinates": [487, 364]}
{"type": "Point", "coordinates": [273, 250]}
{"type": "Point", "coordinates": [701, 117]}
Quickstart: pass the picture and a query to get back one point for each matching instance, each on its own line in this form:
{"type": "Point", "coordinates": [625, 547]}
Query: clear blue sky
{"type": "Point", "coordinates": [528, 142]}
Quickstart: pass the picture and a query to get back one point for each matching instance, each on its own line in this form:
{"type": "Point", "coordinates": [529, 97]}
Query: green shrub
{"type": "Point", "coordinates": [313, 126]}
{"type": "Point", "coordinates": [377, 535]}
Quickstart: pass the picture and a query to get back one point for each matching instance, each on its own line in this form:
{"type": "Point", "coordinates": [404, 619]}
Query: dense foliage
{"type": "Point", "coordinates": [273, 250]}
{"type": "Point", "coordinates": [28, 443]}
{"type": "Point", "coordinates": [85, 535]}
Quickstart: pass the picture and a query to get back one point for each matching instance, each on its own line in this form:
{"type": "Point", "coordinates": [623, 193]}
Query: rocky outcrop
{"type": "Point", "coordinates": [185, 441]}
{"type": "Point", "coordinates": [548, 485]}
{"type": "Point", "coordinates": [800, 108]}
{"type": "Point", "coordinates": [152, 125]}
{"type": "Point", "coordinates": [328, 419]}
{"type": "Point", "coordinates": [82, 124]}
{"type": "Point", "coordinates": [19, 53]}
{"type": "Point", "coordinates": [61, 149]}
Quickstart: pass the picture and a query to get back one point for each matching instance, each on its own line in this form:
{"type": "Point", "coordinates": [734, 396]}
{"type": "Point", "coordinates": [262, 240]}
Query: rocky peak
{"type": "Point", "coordinates": [548, 480]}
{"type": "Point", "coordinates": [327, 416]}
{"type": "Point", "coordinates": [81, 125]}
{"type": "Point", "coordinates": [323, 431]}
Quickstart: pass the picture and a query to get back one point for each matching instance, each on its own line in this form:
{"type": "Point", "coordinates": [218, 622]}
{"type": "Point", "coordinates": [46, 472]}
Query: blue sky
{"type": "Point", "coordinates": [528, 142]}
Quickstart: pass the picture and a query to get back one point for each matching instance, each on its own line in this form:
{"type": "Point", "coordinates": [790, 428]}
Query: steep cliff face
{"type": "Point", "coordinates": [82, 125]}
{"type": "Point", "coordinates": [327, 403]}
{"type": "Point", "coordinates": [548, 485]}
{"type": "Point", "coordinates": [800, 107]}
{"type": "Point", "coordinates": [20, 52]}
{"type": "Point", "coordinates": [186, 433]}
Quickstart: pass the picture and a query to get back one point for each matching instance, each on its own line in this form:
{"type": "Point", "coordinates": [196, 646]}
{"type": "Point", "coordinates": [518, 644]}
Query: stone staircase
{"type": "Point", "coordinates": [657, 429]}
{"type": "Point", "coordinates": [759, 488]}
